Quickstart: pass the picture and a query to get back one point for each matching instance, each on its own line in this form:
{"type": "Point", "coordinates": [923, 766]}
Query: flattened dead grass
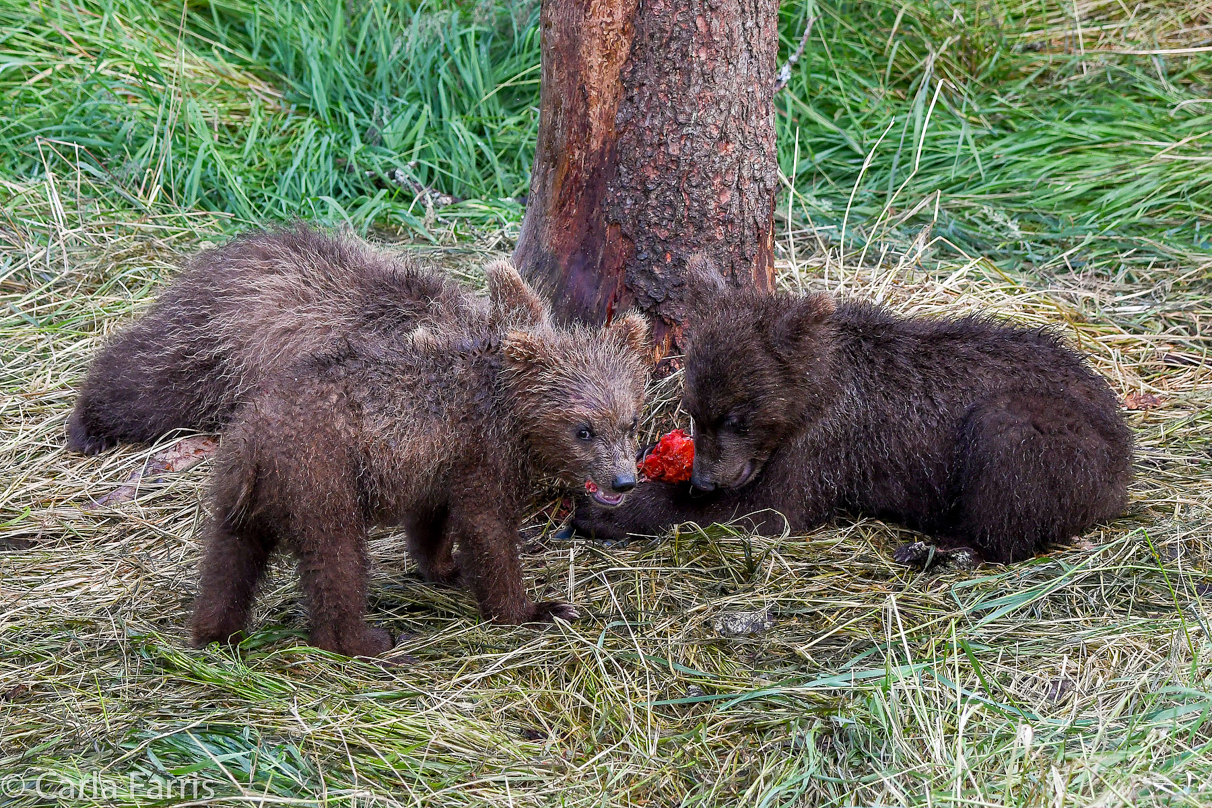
{"type": "Point", "coordinates": [1080, 677]}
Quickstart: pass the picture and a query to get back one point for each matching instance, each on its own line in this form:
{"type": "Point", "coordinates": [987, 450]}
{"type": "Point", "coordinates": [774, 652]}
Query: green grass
{"type": "Point", "coordinates": [276, 109]}
{"type": "Point", "coordinates": [1031, 151]}
{"type": "Point", "coordinates": [1012, 165]}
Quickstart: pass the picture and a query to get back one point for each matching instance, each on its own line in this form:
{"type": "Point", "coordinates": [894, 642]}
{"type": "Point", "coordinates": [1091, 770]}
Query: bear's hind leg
{"type": "Point", "coordinates": [329, 539]}
{"type": "Point", "coordinates": [1033, 470]}
{"type": "Point", "coordinates": [235, 558]}
{"type": "Point", "coordinates": [334, 571]}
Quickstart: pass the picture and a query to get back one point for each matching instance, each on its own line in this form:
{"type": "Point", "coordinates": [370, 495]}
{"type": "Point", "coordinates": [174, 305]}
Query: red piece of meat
{"type": "Point", "coordinates": [671, 459]}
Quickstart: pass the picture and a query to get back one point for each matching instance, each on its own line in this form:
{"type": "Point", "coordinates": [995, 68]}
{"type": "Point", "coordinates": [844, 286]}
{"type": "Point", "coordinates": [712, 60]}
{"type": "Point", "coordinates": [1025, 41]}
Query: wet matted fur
{"type": "Point", "coordinates": [353, 389]}
{"type": "Point", "coordinates": [992, 438]}
{"type": "Point", "coordinates": [235, 315]}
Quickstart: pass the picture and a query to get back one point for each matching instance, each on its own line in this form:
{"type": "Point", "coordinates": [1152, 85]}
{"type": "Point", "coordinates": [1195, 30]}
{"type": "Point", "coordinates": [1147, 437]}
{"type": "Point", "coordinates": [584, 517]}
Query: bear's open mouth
{"type": "Point", "coordinates": [601, 497]}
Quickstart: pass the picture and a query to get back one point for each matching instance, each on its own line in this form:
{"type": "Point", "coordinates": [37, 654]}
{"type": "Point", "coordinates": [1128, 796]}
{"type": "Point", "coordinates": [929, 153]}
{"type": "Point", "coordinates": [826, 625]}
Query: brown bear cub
{"type": "Point", "coordinates": [354, 389]}
{"type": "Point", "coordinates": [235, 316]}
{"type": "Point", "coordinates": [996, 440]}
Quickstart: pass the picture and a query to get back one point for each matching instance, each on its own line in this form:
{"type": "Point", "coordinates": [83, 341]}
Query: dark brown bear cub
{"type": "Point", "coordinates": [994, 439]}
{"type": "Point", "coordinates": [402, 400]}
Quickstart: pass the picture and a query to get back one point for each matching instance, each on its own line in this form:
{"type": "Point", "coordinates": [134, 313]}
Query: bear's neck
{"type": "Point", "coordinates": [521, 410]}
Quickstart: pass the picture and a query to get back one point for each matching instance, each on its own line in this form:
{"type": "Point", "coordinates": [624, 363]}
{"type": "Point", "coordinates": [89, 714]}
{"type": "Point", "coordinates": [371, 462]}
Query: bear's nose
{"type": "Point", "coordinates": [623, 482]}
{"type": "Point", "coordinates": [701, 483]}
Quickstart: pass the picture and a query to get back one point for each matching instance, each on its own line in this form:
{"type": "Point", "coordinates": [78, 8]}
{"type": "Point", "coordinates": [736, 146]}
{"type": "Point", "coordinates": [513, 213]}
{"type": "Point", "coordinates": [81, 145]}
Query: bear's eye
{"type": "Point", "coordinates": [733, 424]}
{"type": "Point", "coordinates": [584, 433]}
{"type": "Point", "coordinates": [635, 424]}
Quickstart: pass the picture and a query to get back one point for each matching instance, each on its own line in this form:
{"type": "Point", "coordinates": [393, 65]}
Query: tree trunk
{"type": "Point", "coordinates": [656, 142]}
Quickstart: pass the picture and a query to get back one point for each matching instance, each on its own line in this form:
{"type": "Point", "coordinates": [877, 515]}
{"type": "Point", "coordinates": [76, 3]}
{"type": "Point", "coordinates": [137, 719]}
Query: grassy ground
{"type": "Point", "coordinates": [1007, 157]}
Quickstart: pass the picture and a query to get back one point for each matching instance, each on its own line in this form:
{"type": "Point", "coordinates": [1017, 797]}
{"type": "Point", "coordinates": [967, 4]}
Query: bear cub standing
{"type": "Point", "coordinates": [354, 389]}
{"type": "Point", "coordinates": [996, 440]}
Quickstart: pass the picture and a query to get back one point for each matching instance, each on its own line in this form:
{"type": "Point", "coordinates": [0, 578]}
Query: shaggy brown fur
{"type": "Point", "coordinates": [235, 316]}
{"type": "Point", "coordinates": [358, 391]}
{"type": "Point", "coordinates": [995, 439]}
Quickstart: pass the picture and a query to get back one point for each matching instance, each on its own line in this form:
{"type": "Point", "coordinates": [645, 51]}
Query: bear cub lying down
{"type": "Point", "coordinates": [994, 439]}
{"type": "Point", "coordinates": [356, 389]}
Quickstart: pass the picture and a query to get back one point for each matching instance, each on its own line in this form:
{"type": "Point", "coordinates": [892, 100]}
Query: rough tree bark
{"type": "Point", "coordinates": [656, 142]}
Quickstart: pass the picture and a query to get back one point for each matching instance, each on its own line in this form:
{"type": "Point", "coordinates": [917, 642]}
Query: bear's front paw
{"type": "Point", "coordinates": [595, 523]}
{"type": "Point", "coordinates": [923, 556]}
{"type": "Point", "coordinates": [918, 555]}
{"type": "Point", "coordinates": [549, 611]}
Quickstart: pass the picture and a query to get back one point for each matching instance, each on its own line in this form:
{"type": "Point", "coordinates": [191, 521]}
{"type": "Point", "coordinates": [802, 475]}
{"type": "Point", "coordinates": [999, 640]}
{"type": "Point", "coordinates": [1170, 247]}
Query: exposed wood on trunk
{"type": "Point", "coordinates": [656, 142]}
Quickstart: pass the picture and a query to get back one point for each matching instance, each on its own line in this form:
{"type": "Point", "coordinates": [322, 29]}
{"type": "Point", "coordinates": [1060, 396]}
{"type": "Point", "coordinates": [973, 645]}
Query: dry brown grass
{"type": "Point", "coordinates": [1078, 678]}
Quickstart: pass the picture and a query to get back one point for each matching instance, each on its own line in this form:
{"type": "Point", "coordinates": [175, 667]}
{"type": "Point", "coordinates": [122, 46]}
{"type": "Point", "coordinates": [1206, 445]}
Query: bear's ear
{"type": "Point", "coordinates": [632, 332]}
{"type": "Point", "coordinates": [511, 300]}
{"type": "Point", "coordinates": [703, 281]}
{"type": "Point", "coordinates": [525, 348]}
{"type": "Point", "coordinates": [801, 324]}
